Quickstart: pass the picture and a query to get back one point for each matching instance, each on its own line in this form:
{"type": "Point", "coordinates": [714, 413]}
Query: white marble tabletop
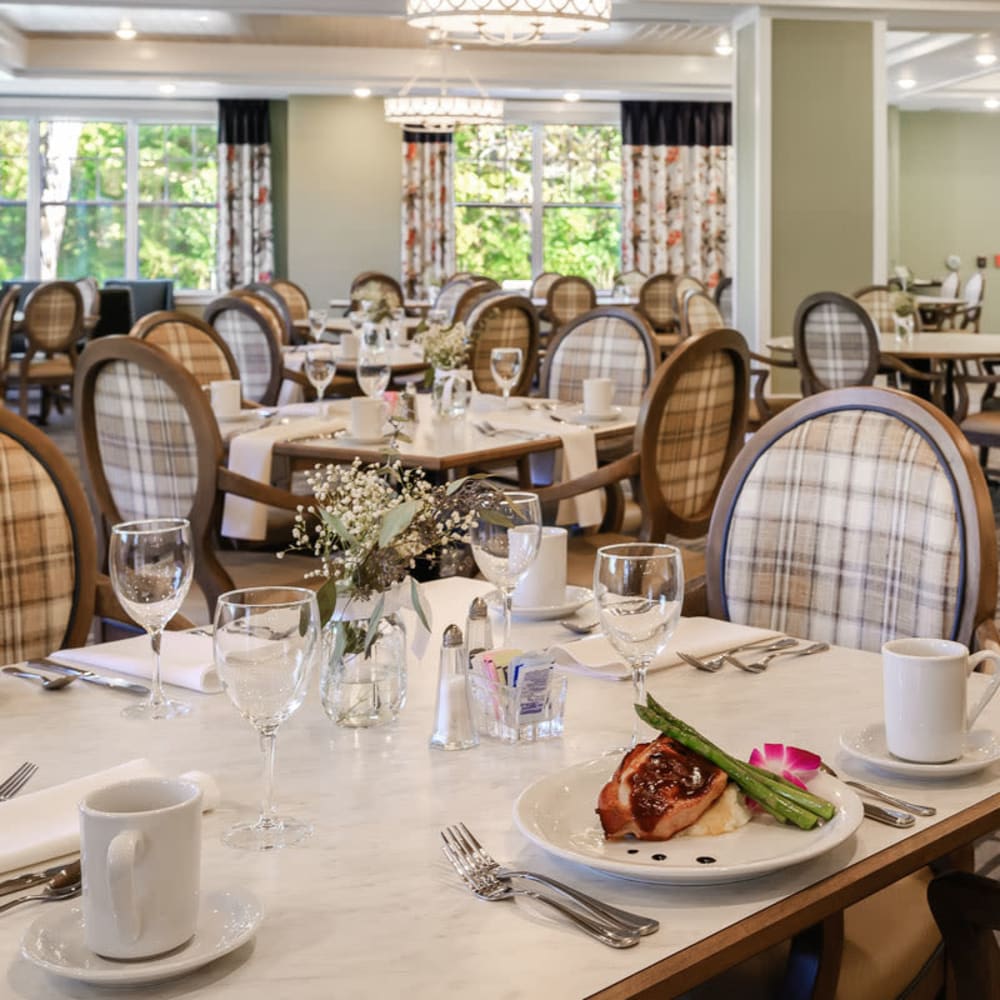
{"type": "Point", "coordinates": [368, 907]}
{"type": "Point", "coordinates": [948, 345]}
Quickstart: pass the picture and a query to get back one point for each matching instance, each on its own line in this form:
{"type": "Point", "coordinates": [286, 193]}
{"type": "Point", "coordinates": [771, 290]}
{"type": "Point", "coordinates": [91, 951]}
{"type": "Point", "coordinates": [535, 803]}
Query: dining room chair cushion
{"type": "Point", "coordinates": [836, 342]}
{"type": "Point", "coordinates": [569, 297]}
{"type": "Point", "coordinates": [699, 314]}
{"type": "Point", "coordinates": [295, 298]}
{"type": "Point", "coordinates": [194, 344]}
{"type": "Point", "coordinates": [254, 344]}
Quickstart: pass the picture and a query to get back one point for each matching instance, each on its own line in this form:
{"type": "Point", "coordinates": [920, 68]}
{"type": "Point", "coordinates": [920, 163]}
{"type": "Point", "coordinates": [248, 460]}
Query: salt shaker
{"type": "Point", "coordinates": [408, 404]}
{"type": "Point", "coordinates": [478, 632]}
{"type": "Point", "coordinates": [453, 727]}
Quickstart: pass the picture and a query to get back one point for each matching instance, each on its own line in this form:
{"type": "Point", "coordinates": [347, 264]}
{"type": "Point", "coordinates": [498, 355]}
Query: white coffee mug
{"type": "Point", "coordinates": [368, 418]}
{"type": "Point", "coordinates": [348, 346]}
{"type": "Point", "coordinates": [544, 583]}
{"type": "Point", "coordinates": [598, 394]}
{"type": "Point", "coordinates": [925, 689]}
{"type": "Point", "coordinates": [227, 398]}
{"type": "Point", "coordinates": [141, 859]}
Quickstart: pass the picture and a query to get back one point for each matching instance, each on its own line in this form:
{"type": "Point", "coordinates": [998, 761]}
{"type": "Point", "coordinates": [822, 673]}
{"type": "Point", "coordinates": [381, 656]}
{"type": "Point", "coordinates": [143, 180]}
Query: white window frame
{"type": "Point", "coordinates": [132, 114]}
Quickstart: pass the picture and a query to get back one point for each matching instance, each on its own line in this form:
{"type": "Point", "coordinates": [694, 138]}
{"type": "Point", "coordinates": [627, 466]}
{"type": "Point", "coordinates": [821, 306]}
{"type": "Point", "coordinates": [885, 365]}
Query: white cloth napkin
{"type": "Point", "coordinates": [186, 660]}
{"type": "Point", "coordinates": [38, 826]}
{"type": "Point", "coordinates": [250, 455]}
{"type": "Point", "coordinates": [596, 657]}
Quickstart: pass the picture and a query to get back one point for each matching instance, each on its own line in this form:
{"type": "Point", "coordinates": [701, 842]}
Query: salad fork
{"type": "Point", "coordinates": [758, 666]}
{"type": "Point", "coordinates": [716, 662]}
{"type": "Point", "coordinates": [17, 780]}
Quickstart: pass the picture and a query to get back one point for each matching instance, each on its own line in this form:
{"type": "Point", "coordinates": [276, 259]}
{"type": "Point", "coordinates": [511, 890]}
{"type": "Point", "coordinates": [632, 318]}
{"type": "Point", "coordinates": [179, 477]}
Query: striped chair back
{"type": "Point", "coordinates": [724, 300]}
{"type": "Point", "coordinates": [684, 286]}
{"type": "Point", "coordinates": [48, 552]}
{"type": "Point", "coordinates": [278, 306]}
{"type": "Point", "coordinates": [541, 284]}
{"type": "Point", "coordinates": [250, 336]}
{"type": "Point", "coordinates": [295, 298]}
{"type": "Point", "coordinates": [195, 345]}
{"type": "Point", "coordinates": [503, 320]}
{"type": "Point", "coordinates": [53, 318]}
{"type": "Point", "coordinates": [836, 343]}
{"type": "Point", "coordinates": [699, 314]}
{"type": "Point", "coordinates": [607, 342]}
{"type": "Point", "coordinates": [372, 285]}
{"type": "Point", "coordinates": [855, 517]}
{"type": "Point", "coordinates": [568, 297]}
{"type": "Point", "coordinates": [876, 300]}
{"type": "Point", "coordinates": [657, 303]}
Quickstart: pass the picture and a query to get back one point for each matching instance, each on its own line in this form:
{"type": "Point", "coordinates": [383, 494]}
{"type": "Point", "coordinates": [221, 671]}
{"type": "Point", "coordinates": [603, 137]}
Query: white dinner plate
{"type": "Point", "coordinates": [577, 416]}
{"type": "Point", "coordinates": [557, 813]}
{"type": "Point", "coordinates": [868, 744]}
{"type": "Point", "coordinates": [55, 942]}
{"type": "Point", "coordinates": [574, 598]}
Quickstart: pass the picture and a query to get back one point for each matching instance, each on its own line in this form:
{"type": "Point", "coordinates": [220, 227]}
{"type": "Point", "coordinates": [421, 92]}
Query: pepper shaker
{"type": "Point", "coordinates": [478, 631]}
{"type": "Point", "coordinates": [453, 726]}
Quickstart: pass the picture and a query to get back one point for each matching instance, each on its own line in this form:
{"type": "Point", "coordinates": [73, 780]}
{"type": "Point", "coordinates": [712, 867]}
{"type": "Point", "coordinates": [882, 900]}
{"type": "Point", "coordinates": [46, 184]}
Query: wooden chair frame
{"type": "Point", "coordinates": [365, 276]}
{"type": "Point", "coordinates": [651, 282]}
{"type": "Point", "coordinates": [505, 300]}
{"type": "Point", "coordinates": [472, 296]}
{"type": "Point", "coordinates": [561, 282]}
{"type": "Point", "coordinates": [247, 308]}
{"type": "Point", "coordinates": [685, 308]}
{"type": "Point", "coordinates": [145, 326]}
{"type": "Point", "coordinates": [266, 292]}
{"type": "Point", "coordinates": [8, 306]}
{"type": "Point", "coordinates": [278, 283]}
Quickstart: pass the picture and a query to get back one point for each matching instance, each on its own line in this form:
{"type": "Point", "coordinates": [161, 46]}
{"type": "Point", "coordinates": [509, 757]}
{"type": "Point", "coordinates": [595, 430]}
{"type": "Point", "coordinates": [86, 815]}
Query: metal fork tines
{"type": "Point", "coordinates": [16, 781]}
{"type": "Point", "coordinates": [462, 841]}
{"type": "Point", "coordinates": [714, 663]}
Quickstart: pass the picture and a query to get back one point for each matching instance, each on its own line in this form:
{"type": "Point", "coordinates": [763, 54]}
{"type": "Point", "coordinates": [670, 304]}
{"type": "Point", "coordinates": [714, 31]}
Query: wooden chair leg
{"type": "Point", "coordinates": [814, 961]}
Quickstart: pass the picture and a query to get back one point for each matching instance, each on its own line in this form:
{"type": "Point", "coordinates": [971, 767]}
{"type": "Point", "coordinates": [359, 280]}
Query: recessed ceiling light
{"type": "Point", "coordinates": [991, 103]}
{"type": "Point", "coordinates": [724, 46]}
{"type": "Point", "coordinates": [906, 83]}
{"type": "Point", "coordinates": [362, 92]}
{"type": "Point", "coordinates": [125, 30]}
{"type": "Point", "coordinates": [456, 46]}
{"type": "Point", "coordinates": [986, 58]}
{"type": "Point", "coordinates": [571, 96]}
{"type": "Point", "coordinates": [168, 88]}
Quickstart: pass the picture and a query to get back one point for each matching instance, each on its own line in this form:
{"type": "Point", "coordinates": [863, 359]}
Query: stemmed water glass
{"type": "Point", "coordinates": [638, 589]}
{"type": "Point", "coordinates": [373, 372]}
{"type": "Point", "coordinates": [505, 365]}
{"type": "Point", "coordinates": [320, 367]}
{"type": "Point", "coordinates": [266, 640]}
{"type": "Point", "coordinates": [151, 564]}
{"type": "Point", "coordinates": [505, 536]}
{"type": "Point", "coordinates": [317, 324]}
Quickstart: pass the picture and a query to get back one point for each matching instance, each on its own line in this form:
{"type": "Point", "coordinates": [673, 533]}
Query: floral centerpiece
{"type": "Point", "coordinates": [376, 304]}
{"type": "Point", "coordinates": [904, 308]}
{"type": "Point", "coordinates": [446, 350]}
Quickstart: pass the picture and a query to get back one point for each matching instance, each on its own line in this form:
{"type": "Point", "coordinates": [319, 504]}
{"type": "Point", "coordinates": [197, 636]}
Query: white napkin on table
{"type": "Point", "coordinates": [186, 660]}
{"type": "Point", "coordinates": [596, 657]}
{"type": "Point", "coordinates": [250, 455]}
{"type": "Point", "coordinates": [38, 826]}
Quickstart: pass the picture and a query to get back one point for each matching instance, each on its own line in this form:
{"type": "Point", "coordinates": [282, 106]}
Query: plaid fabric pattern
{"type": "Point", "coordinates": [7, 307]}
{"type": "Point", "coordinates": [694, 434]}
{"type": "Point", "coordinates": [248, 341]}
{"type": "Point", "coordinates": [603, 347]}
{"type": "Point", "coordinates": [37, 560]}
{"type": "Point", "coordinates": [570, 299]}
{"type": "Point", "coordinates": [147, 446]}
{"type": "Point", "coordinates": [657, 300]}
{"type": "Point", "coordinates": [448, 297]}
{"type": "Point", "coordinates": [541, 285]}
{"type": "Point", "coordinates": [50, 315]}
{"type": "Point", "coordinates": [702, 315]}
{"type": "Point", "coordinates": [193, 348]}
{"type": "Point", "coordinates": [846, 531]}
{"type": "Point", "coordinates": [298, 304]}
{"type": "Point", "coordinates": [496, 326]}
{"type": "Point", "coordinates": [684, 284]}
{"type": "Point", "coordinates": [878, 304]}
{"type": "Point", "coordinates": [836, 344]}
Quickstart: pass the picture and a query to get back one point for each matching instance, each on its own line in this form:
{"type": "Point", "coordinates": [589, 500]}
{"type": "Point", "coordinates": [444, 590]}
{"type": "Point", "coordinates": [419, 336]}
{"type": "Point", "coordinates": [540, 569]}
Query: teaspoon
{"type": "Point", "coordinates": [67, 884]}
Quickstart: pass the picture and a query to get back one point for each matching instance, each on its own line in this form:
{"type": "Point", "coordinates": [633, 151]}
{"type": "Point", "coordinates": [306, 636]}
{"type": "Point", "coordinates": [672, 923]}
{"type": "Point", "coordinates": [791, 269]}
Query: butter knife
{"type": "Point", "coordinates": [89, 676]}
{"type": "Point", "coordinates": [30, 879]}
{"type": "Point", "coordinates": [891, 817]}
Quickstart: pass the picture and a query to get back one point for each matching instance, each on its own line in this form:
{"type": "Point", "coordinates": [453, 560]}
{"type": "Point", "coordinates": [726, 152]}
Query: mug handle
{"type": "Point", "coordinates": [123, 851]}
{"type": "Point", "coordinates": [976, 658]}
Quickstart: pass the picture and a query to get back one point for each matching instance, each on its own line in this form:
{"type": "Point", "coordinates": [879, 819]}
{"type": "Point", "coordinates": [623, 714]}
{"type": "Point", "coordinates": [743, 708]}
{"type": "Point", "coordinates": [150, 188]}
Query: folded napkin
{"type": "Point", "coordinates": [596, 657]}
{"type": "Point", "coordinates": [250, 455]}
{"type": "Point", "coordinates": [39, 826]}
{"type": "Point", "coordinates": [186, 660]}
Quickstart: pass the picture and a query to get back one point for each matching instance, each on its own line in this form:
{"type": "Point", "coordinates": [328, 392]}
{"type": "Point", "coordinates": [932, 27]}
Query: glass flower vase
{"type": "Point", "coordinates": [450, 391]}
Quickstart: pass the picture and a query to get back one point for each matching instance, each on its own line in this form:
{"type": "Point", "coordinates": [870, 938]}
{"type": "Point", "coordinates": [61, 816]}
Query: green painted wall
{"type": "Point", "coordinates": [947, 176]}
{"type": "Point", "coordinates": [745, 136]}
{"type": "Point", "coordinates": [822, 154]}
{"type": "Point", "coordinates": [279, 185]}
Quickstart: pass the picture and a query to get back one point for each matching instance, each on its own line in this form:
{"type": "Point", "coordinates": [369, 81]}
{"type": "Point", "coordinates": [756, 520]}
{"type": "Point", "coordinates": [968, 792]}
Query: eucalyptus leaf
{"type": "Point", "coordinates": [491, 516]}
{"type": "Point", "coordinates": [372, 627]}
{"type": "Point", "coordinates": [334, 523]}
{"type": "Point", "coordinates": [326, 598]}
{"type": "Point", "coordinates": [339, 642]}
{"type": "Point", "coordinates": [418, 604]}
{"type": "Point", "coordinates": [397, 520]}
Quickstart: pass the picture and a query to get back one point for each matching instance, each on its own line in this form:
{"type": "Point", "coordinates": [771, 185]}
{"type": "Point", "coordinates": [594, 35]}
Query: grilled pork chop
{"type": "Point", "coordinates": [659, 789]}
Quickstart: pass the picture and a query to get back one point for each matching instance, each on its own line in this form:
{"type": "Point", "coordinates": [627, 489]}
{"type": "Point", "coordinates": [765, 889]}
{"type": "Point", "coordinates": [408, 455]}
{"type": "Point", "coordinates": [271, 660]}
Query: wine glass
{"type": "Point", "coordinates": [505, 364]}
{"type": "Point", "coordinates": [317, 324]}
{"type": "Point", "coordinates": [320, 367]}
{"type": "Point", "coordinates": [397, 328]}
{"type": "Point", "coordinates": [151, 563]}
{"type": "Point", "coordinates": [373, 372]}
{"type": "Point", "coordinates": [266, 640]}
{"type": "Point", "coordinates": [638, 589]}
{"type": "Point", "coordinates": [357, 318]}
{"type": "Point", "coordinates": [505, 536]}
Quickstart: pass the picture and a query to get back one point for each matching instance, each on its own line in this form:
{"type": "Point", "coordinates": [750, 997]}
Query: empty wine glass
{"type": "Point", "coordinates": [151, 564]}
{"type": "Point", "coordinates": [266, 640]}
{"type": "Point", "coordinates": [357, 318]}
{"type": "Point", "coordinates": [397, 327]}
{"type": "Point", "coordinates": [320, 367]}
{"type": "Point", "coordinates": [505, 536]}
{"type": "Point", "coordinates": [638, 589]}
{"type": "Point", "coordinates": [373, 372]}
{"type": "Point", "coordinates": [317, 324]}
{"type": "Point", "coordinates": [505, 364]}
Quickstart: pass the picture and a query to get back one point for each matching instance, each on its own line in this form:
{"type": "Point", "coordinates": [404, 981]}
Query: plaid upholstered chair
{"type": "Point", "coordinates": [8, 306]}
{"type": "Point", "coordinates": [473, 294]}
{"type": "Point", "coordinates": [699, 314]}
{"type": "Point", "coordinates": [541, 284]}
{"type": "Point", "coordinates": [451, 293]}
{"type": "Point", "coordinates": [249, 332]}
{"type": "Point", "coordinates": [657, 303]}
{"type": "Point", "coordinates": [855, 517]}
{"type": "Point", "coordinates": [877, 302]}
{"type": "Point", "coordinates": [568, 297]}
{"type": "Point", "coordinates": [190, 341]}
{"type": "Point", "coordinates": [150, 447]}
{"type": "Point", "coordinates": [53, 323]}
{"type": "Point", "coordinates": [295, 298]}
{"type": "Point", "coordinates": [503, 320]}
{"type": "Point", "coordinates": [279, 306]}
{"type": "Point", "coordinates": [691, 425]}
{"type": "Point", "coordinates": [723, 296]}
{"type": "Point", "coordinates": [683, 287]}
{"type": "Point", "coordinates": [374, 285]}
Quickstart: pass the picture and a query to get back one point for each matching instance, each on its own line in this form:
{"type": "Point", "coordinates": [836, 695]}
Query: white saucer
{"type": "Point", "coordinates": [868, 744]}
{"type": "Point", "coordinates": [579, 417]}
{"type": "Point", "coordinates": [55, 942]}
{"type": "Point", "coordinates": [575, 597]}
{"type": "Point", "coordinates": [365, 442]}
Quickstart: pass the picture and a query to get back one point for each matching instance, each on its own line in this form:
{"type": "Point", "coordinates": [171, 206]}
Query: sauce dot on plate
{"type": "Point", "coordinates": [659, 857]}
{"type": "Point", "coordinates": [706, 861]}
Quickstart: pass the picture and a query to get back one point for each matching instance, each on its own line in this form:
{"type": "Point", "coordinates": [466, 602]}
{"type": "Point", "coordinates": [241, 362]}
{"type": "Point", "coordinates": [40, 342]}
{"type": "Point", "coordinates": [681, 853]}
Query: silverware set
{"type": "Point", "coordinates": [490, 430]}
{"type": "Point", "coordinates": [491, 881]}
{"type": "Point", "coordinates": [902, 817]}
{"type": "Point", "coordinates": [15, 781]}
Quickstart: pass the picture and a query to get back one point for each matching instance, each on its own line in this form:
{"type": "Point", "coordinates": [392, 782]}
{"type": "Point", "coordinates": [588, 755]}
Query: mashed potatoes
{"type": "Point", "coordinates": [726, 814]}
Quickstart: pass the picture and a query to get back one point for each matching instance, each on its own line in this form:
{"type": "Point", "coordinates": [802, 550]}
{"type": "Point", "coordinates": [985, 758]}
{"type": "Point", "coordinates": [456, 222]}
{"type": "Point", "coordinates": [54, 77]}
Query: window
{"type": "Point", "coordinates": [533, 198]}
{"type": "Point", "coordinates": [108, 199]}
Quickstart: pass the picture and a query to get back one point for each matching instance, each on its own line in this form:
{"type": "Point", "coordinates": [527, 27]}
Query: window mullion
{"type": "Point", "coordinates": [33, 237]}
{"type": "Point", "coordinates": [132, 200]}
{"type": "Point", "coordinates": [537, 208]}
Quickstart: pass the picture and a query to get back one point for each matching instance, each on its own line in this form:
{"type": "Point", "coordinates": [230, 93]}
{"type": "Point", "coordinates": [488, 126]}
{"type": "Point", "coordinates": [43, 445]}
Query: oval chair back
{"type": "Point", "coordinates": [503, 320]}
{"type": "Point", "coordinates": [569, 297]}
{"type": "Point", "coordinates": [658, 302]}
{"type": "Point", "coordinates": [699, 315]}
{"type": "Point", "coordinates": [190, 341]}
{"type": "Point", "coordinates": [836, 343]}
{"type": "Point", "coordinates": [250, 335]}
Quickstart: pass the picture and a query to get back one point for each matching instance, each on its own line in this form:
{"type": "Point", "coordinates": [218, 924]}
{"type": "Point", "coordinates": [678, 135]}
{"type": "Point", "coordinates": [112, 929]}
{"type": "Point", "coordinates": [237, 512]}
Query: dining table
{"type": "Point", "coordinates": [337, 325]}
{"type": "Point", "coordinates": [368, 907]}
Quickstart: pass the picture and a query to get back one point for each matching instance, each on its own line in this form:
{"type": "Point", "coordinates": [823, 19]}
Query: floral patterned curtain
{"type": "Point", "coordinates": [428, 210]}
{"type": "Point", "coordinates": [676, 178]}
{"type": "Point", "coordinates": [246, 238]}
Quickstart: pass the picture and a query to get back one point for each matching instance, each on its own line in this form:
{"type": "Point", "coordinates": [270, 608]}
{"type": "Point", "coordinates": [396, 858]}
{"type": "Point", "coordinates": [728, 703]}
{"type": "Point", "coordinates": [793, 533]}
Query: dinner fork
{"type": "Point", "coordinates": [485, 427]}
{"type": "Point", "coordinates": [490, 888]}
{"type": "Point", "coordinates": [716, 662]}
{"type": "Point", "coordinates": [17, 780]}
{"type": "Point", "coordinates": [759, 666]}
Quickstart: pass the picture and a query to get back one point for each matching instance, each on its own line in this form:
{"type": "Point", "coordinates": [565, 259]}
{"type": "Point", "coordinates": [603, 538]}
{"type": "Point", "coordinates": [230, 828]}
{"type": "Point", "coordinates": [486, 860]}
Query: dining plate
{"type": "Point", "coordinates": [577, 416]}
{"type": "Point", "coordinates": [55, 942]}
{"type": "Point", "coordinates": [365, 442]}
{"type": "Point", "coordinates": [574, 598]}
{"type": "Point", "coordinates": [557, 813]}
{"type": "Point", "coordinates": [868, 744]}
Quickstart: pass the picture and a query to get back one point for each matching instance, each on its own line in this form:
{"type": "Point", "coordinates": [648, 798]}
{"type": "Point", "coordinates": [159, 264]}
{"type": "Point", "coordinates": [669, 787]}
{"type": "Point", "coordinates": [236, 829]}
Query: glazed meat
{"type": "Point", "coordinates": [659, 789]}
